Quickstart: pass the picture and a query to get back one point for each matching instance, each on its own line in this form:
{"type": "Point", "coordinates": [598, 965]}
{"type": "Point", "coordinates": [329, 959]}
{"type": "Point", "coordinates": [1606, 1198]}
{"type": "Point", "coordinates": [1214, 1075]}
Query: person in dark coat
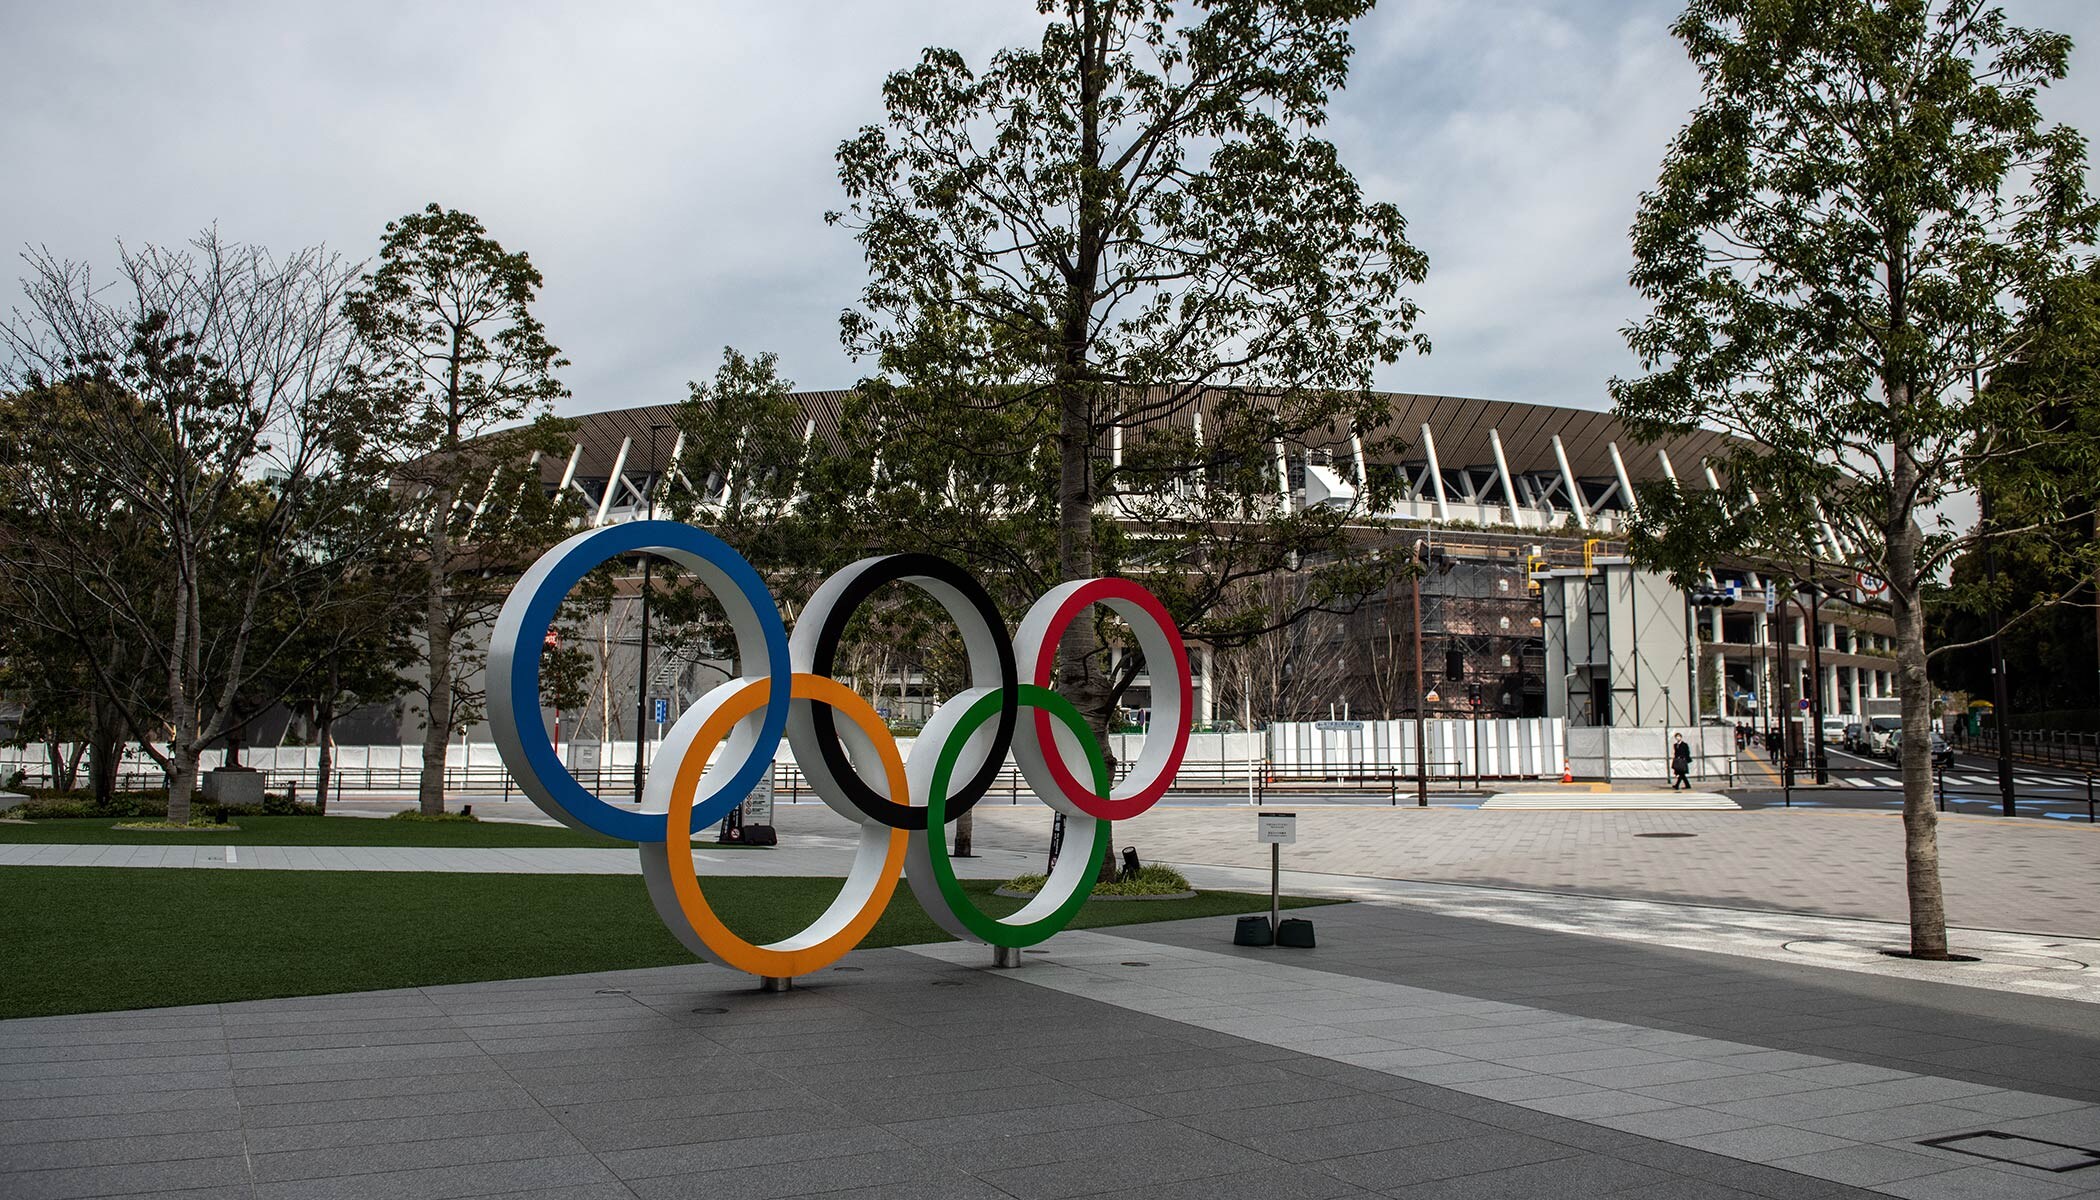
{"type": "Point", "coordinates": [1680, 764]}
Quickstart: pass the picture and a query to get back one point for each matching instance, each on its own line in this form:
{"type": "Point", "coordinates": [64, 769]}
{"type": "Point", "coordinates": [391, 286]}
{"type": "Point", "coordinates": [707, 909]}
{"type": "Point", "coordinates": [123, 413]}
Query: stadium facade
{"type": "Point", "coordinates": [1502, 492]}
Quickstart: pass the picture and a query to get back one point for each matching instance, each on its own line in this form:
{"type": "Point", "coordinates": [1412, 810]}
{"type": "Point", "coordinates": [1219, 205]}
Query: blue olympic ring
{"type": "Point", "coordinates": [520, 635]}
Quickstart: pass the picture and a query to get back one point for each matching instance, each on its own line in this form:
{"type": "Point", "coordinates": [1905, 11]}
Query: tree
{"type": "Point", "coordinates": [1842, 238]}
{"type": "Point", "coordinates": [213, 401]}
{"type": "Point", "coordinates": [447, 317]}
{"type": "Point", "coordinates": [2041, 579]}
{"type": "Point", "coordinates": [1095, 238]}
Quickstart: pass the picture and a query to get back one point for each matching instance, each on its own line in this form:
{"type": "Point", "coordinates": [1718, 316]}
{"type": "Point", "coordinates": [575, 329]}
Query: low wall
{"type": "Point", "coordinates": [1643, 752]}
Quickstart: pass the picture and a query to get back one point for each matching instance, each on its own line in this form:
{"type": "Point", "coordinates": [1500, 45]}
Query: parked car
{"type": "Point", "coordinates": [1880, 732]}
{"type": "Point", "coordinates": [1855, 737]}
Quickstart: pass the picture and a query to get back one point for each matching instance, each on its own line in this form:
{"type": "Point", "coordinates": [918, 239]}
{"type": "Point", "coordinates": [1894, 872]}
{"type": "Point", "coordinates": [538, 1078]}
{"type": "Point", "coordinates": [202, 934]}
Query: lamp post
{"type": "Point", "coordinates": [641, 679]}
{"type": "Point", "coordinates": [1814, 694]}
{"type": "Point", "coordinates": [1421, 726]}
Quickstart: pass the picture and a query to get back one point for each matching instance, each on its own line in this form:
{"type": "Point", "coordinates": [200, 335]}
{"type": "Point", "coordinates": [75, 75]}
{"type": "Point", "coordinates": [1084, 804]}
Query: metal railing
{"type": "Point", "coordinates": [1251, 779]}
{"type": "Point", "coordinates": [2049, 747]}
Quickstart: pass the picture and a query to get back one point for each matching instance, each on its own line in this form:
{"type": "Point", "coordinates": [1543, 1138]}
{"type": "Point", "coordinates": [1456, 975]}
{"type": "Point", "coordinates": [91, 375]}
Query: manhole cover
{"type": "Point", "coordinates": [845, 968]}
{"type": "Point", "coordinates": [947, 983]}
{"type": "Point", "coordinates": [615, 991]}
{"type": "Point", "coordinates": [711, 1011]}
{"type": "Point", "coordinates": [1135, 964]}
{"type": "Point", "coordinates": [1666, 835]}
{"type": "Point", "coordinates": [2034, 1153]}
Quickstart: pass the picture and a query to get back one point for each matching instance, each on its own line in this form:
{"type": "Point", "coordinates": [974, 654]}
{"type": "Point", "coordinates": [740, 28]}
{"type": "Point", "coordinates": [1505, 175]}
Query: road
{"type": "Point", "coordinates": [1969, 786]}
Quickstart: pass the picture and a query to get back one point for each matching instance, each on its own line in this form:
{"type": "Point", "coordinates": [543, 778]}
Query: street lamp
{"type": "Point", "coordinates": [1421, 700]}
{"type": "Point", "coordinates": [641, 680]}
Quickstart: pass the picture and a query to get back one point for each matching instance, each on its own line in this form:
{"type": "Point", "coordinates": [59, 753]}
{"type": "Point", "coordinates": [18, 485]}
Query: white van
{"type": "Point", "coordinates": [1834, 729]}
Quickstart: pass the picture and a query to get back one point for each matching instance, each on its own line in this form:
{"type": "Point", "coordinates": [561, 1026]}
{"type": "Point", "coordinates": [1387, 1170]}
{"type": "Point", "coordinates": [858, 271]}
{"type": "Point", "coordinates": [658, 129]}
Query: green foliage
{"type": "Point", "coordinates": [1154, 880]}
{"type": "Point", "coordinates": [447, 314]}
{"type": "Point", "coordinates": [1850, 226]}
{"type": "Point", "coordinates": [52, 804]}
{"type": "Point", "coordinates": [1847, 233]}
{"type": "Point", "coordinates": [1095, 239]}
{"type": "Point", "coordinates": [456, 355]}
{"type": "Point", "coordinates": [413, 814]}
{"type": "Point", "coordinates": [56, 805]}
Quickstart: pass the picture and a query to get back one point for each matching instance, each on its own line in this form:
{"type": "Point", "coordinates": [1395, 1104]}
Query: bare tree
{"type": "Point", "coordinates": [205, 392]}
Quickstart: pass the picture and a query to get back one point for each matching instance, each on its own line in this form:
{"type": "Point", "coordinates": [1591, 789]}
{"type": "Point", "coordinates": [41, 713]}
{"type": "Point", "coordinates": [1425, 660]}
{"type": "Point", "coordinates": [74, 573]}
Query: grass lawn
{"type": "Point", "coordinates": [93, 939]}
{"type": "Point", "coordinates": [320, 831]}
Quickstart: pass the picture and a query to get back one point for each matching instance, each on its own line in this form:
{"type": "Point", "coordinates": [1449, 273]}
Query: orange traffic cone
{"type": "Point", "coordinates": [1566, 775]}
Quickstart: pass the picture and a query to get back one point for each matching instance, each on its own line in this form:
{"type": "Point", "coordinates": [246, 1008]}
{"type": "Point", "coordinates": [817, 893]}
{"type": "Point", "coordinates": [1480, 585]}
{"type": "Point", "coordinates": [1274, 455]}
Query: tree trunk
{"type": "Point", "coordinates": [104, 755]}
{"type": "Point", "coordinates": [324, 761]}
{"type": "Point", "coordinates": [438, 633]}
{"type": "Point", "coordinates": [1921, 845]}
{"type": "Point", "coordinates": [182, 782]}
{"type": "Point", "coordinates": [182, 707]}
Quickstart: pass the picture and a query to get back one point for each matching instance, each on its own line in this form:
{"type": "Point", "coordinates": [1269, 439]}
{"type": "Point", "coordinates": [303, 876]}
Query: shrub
{"type": "Point", "coordinates": [417, 814]}
{"type": "Point", "coordinates": [56, 805]}
{"type": "Point", "coordinates": [1155, 880]}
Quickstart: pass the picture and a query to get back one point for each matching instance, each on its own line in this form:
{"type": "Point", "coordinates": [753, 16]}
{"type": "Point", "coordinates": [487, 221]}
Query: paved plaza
{"type": "Point", "coordinates": [1518, 1005]}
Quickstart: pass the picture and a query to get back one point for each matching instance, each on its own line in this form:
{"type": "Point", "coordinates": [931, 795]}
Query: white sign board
{"type": "Point", "coordinates": [758, 805]}
{"type": "Point", "coordinates": [1344, 726]}
{"type": "Point", "coordinates": [583, 757]}
{"type": "Point", "coordinates": [1277, 828]}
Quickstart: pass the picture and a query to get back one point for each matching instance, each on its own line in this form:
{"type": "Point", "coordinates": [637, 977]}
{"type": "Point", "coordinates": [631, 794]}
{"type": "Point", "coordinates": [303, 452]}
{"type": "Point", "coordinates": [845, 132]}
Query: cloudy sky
{"type": "Point", "coordinates": [668, 168]}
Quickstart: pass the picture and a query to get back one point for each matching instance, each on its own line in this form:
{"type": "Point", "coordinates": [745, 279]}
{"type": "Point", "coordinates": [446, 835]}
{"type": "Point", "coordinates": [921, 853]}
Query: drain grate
{"type": "Point", "coordinates": [2054, 1157]}
{"type": "Point", "coordinates": [1666, 835]}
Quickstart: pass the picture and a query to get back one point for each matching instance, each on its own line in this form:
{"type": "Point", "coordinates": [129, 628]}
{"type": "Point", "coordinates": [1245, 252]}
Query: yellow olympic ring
{"type": "Point", "coordinates": [877, 867]}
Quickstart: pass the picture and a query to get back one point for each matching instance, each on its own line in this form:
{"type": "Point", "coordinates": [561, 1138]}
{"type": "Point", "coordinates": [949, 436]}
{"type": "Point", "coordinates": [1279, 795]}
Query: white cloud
{"type": "Point", "coordinates": [668, 167]}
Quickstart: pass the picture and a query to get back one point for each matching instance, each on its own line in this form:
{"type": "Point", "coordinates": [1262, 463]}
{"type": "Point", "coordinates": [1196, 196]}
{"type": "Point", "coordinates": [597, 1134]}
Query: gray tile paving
{"type": "Point", "coordinates": [1412, 1055]}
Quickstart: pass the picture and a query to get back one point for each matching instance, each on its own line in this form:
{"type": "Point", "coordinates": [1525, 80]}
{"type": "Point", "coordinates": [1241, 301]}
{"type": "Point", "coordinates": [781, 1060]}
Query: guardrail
{"type": "Point", "coordinates": [2048, 747]}
{"type": "Point", "coordinates": [1253, 780]}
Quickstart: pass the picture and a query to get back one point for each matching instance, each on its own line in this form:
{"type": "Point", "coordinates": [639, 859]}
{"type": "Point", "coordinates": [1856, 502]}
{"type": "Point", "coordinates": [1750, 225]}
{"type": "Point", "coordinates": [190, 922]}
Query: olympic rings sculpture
{"type": "Point", "coordinates": [901, 804]}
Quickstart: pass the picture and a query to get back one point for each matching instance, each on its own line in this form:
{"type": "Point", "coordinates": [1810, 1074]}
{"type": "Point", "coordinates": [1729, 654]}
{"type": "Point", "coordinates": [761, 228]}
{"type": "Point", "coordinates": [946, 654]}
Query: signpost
{"type": "Point", "coordinates": [1276, 830]}
{"type": "Point", "coordinates": [660, 710]}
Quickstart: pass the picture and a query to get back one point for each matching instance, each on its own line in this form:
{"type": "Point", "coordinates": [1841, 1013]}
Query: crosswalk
{"type": "Point", "coordinates": [1965, 780]}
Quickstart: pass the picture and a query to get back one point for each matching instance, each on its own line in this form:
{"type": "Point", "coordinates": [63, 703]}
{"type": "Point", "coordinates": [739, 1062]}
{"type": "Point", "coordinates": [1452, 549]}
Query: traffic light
{"type": "Point", "coordinates": [1712, 597]}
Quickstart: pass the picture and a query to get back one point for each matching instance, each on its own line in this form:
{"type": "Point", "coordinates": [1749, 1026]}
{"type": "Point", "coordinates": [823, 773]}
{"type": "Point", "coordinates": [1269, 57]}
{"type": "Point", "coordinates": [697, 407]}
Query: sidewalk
{"type": "Point", "coordinates": [1412, 1055]}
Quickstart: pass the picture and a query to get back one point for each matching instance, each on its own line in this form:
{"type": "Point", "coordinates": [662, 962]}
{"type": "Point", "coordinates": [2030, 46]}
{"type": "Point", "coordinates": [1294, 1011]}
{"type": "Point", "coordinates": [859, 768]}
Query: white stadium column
{"type": "Point", "coordinates": [1509, 487]}
{"type": "Point", "coordinates": [1567, 474]}
{"type": "Point", "coordinates": [1436, 475]}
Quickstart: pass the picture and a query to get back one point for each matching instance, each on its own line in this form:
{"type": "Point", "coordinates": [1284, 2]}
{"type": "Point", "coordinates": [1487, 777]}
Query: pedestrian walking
{"type": "Point", "coordinates": [1680, 764]}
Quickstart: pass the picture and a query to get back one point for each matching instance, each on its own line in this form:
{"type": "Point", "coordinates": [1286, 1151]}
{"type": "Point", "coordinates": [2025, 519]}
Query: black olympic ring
{"type": "Point", "coordinates": [835, 603]}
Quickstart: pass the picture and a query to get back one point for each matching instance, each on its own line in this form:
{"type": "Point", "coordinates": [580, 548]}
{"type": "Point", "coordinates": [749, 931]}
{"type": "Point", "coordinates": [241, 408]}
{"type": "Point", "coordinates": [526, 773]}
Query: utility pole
{"type": "Point", "coordinates": [1815, 694]}
{"type": "Point", "coordinates": [1786, 712]}
{"type": "Point", "coordinates": [1421, 726]}
{"type": "Point", "coordinates": [641, 678]}
{"type": "Point", "coordinates": [2001, 706]}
